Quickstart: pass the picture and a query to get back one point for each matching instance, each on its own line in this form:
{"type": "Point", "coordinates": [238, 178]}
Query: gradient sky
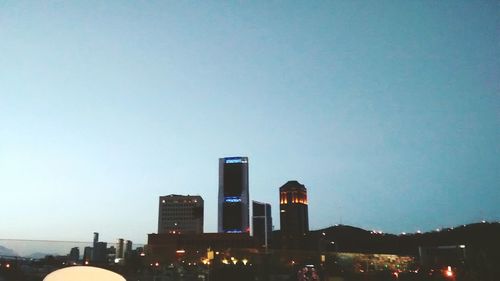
{"type": "Point", "coordinates": [388, 111]}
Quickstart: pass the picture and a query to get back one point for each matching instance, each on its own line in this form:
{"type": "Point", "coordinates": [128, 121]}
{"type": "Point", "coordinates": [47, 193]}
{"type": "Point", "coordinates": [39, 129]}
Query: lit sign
{"type": "Point", "coordinates": [232, 199]}
{"type": "Point", "coordinates": [234, 160]}
{"type": "Point", "coordinates": [234, 231]}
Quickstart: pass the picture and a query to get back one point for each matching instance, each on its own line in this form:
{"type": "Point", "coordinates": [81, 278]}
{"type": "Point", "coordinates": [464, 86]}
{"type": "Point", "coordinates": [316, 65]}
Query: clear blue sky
{"type": "Point", "coordinates": [388, 111]}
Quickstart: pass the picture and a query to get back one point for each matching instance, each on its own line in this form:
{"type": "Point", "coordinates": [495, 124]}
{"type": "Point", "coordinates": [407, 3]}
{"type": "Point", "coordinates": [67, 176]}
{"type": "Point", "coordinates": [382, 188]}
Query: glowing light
{"type": "Point", "coordinates": [7, 265]}
{"type": "Point", "coordinates": [86, 262]}
{"type": "Point", "coordinates": [180, 251]}
{"type": "Point", "coordinates": [244, 261]}
{"type": "Point", "coordinates": [232, 199]}
{"type": "Point", "coordinates": [235, 160]}
{"type": "Point", "coordinates": [225, 261]}
{"type": "Point", "coordinates": [157, 264]}
{"type": "Point", "coordinates": [449, 272]}
{"type": "Point", "coordinates": [142, 254]}
{"type": "Point", "coordinates": [462, 246]}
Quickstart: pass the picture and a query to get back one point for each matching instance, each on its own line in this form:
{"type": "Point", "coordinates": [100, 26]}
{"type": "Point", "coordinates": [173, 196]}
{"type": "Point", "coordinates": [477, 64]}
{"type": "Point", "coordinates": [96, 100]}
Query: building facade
{"type": "Point", "coordinates": [233, 203]}
{"type": "Point", "coordinates": [180, 214]}
{"type": "Point", "coordinates": [120, 249]}
{"type": "Point", "coordinates": [294, 218]}
{"type": "Point", "coordinates": [262, 223]}
{"type": "Point", "coordinates": [167, 248]}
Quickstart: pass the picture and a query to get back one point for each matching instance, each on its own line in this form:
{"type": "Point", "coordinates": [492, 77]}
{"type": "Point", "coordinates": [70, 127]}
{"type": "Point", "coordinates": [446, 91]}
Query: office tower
{"type": "Point", "coordinates": [98, 250]}
{"type": "Point", "coordinates": [87, 254]}
{"type": "Point", "coordinates": [74, 254]}
{"type": "Point", "coordinates": [294, 221]}
{"type": "Point", "coordinates": [180, 214]}
{"type": "Point", "coordinates": [262, 222]}
{"type": "Point", "coordinates": [128, 247]}
{"type": "Point", "coordinates": [120, 249]}
{"type": "Point", "coordinates": [99, 253]}
{"type": "Point", "coordinates": [233, 202]}
{"type": "Point", "coordinates": [96, 238]}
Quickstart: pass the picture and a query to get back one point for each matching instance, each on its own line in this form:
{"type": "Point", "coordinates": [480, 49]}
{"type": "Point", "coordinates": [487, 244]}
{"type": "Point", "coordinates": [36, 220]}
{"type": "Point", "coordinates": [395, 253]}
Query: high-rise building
{"type": "Point", "coordinates": [120, 249]}
{"type": "Point", "coordinates": [98, 250]}
{"type": "Point", "coordinates": [233, 202]}
{"type": "Point", "coordinates": [74, 254]}
{"type": "Point", "coordinates": [99, 253]}
{"type": "Point", "coordinates": [128, 247]}
{"type": "Point", "coordinates": [87, 254]}
{"type": "Point", "coordinates": [262, 223]}
{"type": "Point", "coordinates": [294, 220]}
{"type": "Point", "coordinates": [180, 214]}
{"type": "Point", "coordinates": [96, 238]}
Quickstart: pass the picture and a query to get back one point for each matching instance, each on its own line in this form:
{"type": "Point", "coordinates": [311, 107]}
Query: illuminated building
{"type": "Point", "coordinates": [294, 219]}
{"type": "Point", "coordinates": [180, 214]}
{"type": "Point", "coordinates": [233, 200]}
{"type": "Point", "coordinates": [262, 223]}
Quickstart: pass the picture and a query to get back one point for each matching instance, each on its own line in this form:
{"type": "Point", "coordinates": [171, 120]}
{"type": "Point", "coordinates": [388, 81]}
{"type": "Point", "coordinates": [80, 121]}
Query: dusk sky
{"type": "Point", "coordinates": [387, 111]}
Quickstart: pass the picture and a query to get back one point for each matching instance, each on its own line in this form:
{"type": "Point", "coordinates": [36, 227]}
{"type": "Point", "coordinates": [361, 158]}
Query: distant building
{"type": "Point", "coordinates": [99, 253]}
{"type": "Point", "coordinates": [99, 250]}
{"type": "Point", "coordinates": [120, 249]}
{"type": "Point", "coordinates": [233, 200]}
{"type": "Point", "coordinates": [180, 214]}
{"type": "Point", "coordinates": [96, 238]}
{"type": "Point", "coordinates": [128, 248]}
{"type": "Point", "coordinates": [87, 254]}
{"type": "Point", "coordinates": [439, 256]}
{"type": "Point", "coordinates": [262, 223]}
{"type": "Point", "coordinates": [294, 219]}
{"type": "Point", "coordinates": [74, 254]}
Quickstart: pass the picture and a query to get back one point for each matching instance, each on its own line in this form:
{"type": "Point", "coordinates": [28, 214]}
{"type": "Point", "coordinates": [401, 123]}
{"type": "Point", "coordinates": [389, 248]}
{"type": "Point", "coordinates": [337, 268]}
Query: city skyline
{"type": "Point", "coordinates": [387, 112]}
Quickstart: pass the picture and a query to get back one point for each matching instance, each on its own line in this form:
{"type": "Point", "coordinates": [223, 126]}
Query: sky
{"type": "Point", "coordinates": [387, 111]}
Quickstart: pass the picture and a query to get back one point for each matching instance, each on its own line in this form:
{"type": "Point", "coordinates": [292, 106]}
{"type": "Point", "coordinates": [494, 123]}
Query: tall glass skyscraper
{"type": "Point", "coordinates": [233, 195]}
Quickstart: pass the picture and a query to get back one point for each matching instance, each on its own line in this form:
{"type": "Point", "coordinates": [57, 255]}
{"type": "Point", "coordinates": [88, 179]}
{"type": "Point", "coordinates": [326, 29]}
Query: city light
{"type": "Point", "coordinates": [232, 199]}
{"type": "Point", "coordinates": [448, 272]}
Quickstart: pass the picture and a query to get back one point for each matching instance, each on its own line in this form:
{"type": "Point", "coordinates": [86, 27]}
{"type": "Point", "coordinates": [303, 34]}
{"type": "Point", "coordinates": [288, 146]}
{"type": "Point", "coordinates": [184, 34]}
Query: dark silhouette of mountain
{"type": "Point", "coordinates": [7, 252]}
{"type": "Point", "coordinates": [39, 255]}
{"type": "Point", "coordinates": [342, 238]}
